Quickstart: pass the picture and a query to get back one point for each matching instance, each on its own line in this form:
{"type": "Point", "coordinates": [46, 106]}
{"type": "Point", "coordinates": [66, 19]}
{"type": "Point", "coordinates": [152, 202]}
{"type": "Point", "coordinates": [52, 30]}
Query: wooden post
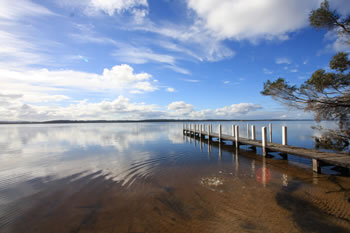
{"type": "Point", "coordinates": [247, 131]}
{"type": "Point", "coordinates": [201, 130]}
{"type": "Point", "coordinates": [237, 135]}
{"type": "Point", "coordinates": [220, 133]}
{"type": "Point", "coordinates": [316, 166]}
{"type": "Point", "coordinates": [264, 139]}
{"type": "Point", "coordinates": [233, 130]}
{"type": "Point", "coordinates": [270, 131]}
{"type": "Point", "coordinates": [284, 135]}
{"type": "Point", "coordinates": [253, 132]}
{"type": "Point", "coordinates": [208, 132]}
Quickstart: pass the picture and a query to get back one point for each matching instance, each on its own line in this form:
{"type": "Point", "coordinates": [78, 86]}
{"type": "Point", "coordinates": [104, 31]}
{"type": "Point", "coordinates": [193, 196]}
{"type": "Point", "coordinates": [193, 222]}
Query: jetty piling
{"type": "Point", "coordinates": [253, 132]}
{"type": "Point", "coordinates": [264, 139]}
{"type": "Point", "coordinates": [284, 135]}
{"type": "Point", "coordinates": [237, 135]}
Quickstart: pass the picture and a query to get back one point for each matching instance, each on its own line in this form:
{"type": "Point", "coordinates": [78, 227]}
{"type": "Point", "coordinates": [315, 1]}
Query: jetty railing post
{"type": "Point", "coordinates": [263, 140]}
{"type": "Point", "coordinates": [201, 130]}
{"type": "Point", "coordinates": [220, 131]}
{"type": "Point", "coordinates": [253, 132]}
{"type": "Point", "coordinates": [237, 135]}
{"type": "Point", "coordinates": [247, 131]}
{"type": "Point", "coordinates": [270, 131]}
{"type": "Point", "coordinates": [284, 135]}
{"type": "Point", "coordinates": [233, 130]}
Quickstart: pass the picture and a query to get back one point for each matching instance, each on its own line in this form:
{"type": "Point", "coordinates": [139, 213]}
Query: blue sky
{"type": "Point", "coordinates": [137, 59]}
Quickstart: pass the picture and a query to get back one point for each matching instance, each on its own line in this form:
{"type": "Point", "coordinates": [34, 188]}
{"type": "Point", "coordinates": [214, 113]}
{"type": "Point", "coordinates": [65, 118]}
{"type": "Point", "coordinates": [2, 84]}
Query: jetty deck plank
{"type": "Point", "coordinates": [338, 159]}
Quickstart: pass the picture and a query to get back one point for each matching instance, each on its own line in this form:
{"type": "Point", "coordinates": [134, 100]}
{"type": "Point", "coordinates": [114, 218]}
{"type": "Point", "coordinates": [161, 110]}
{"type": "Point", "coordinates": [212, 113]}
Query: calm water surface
{"type": "Point", "coordinates": [148, 177]}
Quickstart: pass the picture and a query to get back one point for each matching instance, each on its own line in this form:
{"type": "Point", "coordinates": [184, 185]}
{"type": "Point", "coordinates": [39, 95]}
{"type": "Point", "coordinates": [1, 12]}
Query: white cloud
{"type": "Point", "coordinates": [20, 45]}
{"type": "Point", "coordinates": [14, 107]}
{"type": "Point", "coordinates": [37, 85]}
{"type": "Point", "coordinates": [170, 89]}
{"type": "Point", "coordinates": [110, 7]}
{"type": "Point", "coordinates": [339, 42]}
{"type": "Point", "coordinates": [178, 69]}
{"type": "Point", "coordinates": [234, 109]}
{"type": "Point", "coordinates": [119, 108]}
{"type": "Point", "coordinates": [135, 55]}
{"type": "Point", "coordinates": [193, 40]}
{"type": "Point", "coordinates": [294, 70]}
{"type": "Point", "coordinates": [267, 71]}
{"type": "Point", "coordinates": [254, 19]}
{"type": "Point", "coordinates": [190, 80]}
{"type": "Point", "coordinates": [283, 60]}
{"type": "Point", "coordinates": [12, 10]}
{"type": "Point", "coordinates": [181, 108]}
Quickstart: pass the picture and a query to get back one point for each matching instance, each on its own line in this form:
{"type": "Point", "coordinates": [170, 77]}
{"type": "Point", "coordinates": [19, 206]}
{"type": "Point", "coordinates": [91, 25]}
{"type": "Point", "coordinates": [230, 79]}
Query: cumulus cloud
{"type": "Point", "coordinates": [338, 41]}
{"type": "Point", "coordinates": [255, 19]}
{"type": "Point", "coordinates": [13, 107]}
{"type": "Point", "coordinates": [181, 108]}
{"type": "Point", "coordinates": [242, 108]}
{"type": "Point", "coordinates": [119, 108]}
{"type": "Point", "coordinates": [37, 84]}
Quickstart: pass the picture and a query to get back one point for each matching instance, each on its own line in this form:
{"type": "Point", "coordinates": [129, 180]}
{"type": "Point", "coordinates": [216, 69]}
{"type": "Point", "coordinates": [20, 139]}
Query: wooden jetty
{"type": "Point", "coordinates": [319, 158]}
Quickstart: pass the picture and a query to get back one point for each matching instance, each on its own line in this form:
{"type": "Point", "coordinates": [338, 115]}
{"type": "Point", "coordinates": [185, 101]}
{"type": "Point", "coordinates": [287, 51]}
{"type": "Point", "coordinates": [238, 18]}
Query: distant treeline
{"type": "Point", "coordinates": [136, 121]}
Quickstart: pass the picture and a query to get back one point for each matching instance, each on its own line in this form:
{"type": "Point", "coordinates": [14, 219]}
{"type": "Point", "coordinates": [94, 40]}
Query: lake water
{"type": "Point", "coordinates": [149, 177]}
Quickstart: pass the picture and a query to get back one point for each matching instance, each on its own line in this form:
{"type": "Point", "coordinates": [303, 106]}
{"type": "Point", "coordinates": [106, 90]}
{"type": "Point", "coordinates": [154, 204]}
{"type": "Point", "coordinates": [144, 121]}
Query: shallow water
{"type": "Point", "coordinates": [148, 177]}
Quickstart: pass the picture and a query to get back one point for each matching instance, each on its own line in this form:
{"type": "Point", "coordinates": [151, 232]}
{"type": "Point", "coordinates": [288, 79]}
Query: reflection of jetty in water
{"type": "Point", "coordinates": [262, 175]}
{"type": "Point", "coordinates": [260, 172]}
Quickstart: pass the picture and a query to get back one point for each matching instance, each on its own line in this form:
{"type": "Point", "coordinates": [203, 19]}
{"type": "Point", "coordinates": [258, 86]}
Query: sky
{"type": "Point", "coordinates": [147, 59]}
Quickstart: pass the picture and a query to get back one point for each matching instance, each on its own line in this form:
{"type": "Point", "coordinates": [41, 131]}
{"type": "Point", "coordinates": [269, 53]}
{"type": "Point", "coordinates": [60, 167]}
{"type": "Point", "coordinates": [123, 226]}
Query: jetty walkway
{"type": "Point", "coordinates": [319, 158]}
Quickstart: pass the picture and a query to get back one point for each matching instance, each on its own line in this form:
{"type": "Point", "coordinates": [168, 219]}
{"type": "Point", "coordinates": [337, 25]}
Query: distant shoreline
{"type": "Point", "coordinates": [137, 121]}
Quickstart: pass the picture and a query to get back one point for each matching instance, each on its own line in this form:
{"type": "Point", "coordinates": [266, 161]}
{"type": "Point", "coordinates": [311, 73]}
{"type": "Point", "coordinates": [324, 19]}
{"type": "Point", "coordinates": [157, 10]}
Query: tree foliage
{"type": "Point", "coordinates": [324, 17]}
{"type": "Point", "coordinates": [326, 94]}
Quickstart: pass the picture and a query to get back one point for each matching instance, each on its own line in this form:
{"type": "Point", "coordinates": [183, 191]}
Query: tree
{"type": "Point", "coordinates": [327, 94]}
{"type": "Point", "coordinates": [324, 17]}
